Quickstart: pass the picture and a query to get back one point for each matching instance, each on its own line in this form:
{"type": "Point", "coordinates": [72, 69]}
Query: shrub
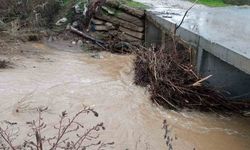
{"type": "Point", "coordinates": [41, 11]}
{"type": "Point", "coordinates": [70, 133]}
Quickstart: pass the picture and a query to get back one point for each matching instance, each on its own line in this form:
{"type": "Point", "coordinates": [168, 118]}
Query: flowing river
{"type": "Point", "coordinates": [65, 78]}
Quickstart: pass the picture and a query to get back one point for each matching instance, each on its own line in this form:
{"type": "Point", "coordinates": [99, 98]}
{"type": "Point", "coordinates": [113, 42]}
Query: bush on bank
{"type": "Point", "coordinates": [41, 11]}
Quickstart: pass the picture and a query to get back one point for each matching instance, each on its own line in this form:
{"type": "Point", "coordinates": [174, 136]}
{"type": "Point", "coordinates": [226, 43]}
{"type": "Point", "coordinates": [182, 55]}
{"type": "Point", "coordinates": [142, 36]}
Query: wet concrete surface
{"type": "Point", "coordinates": [228, 26]}
{"type": "Point", "coordinates": [65, 78]}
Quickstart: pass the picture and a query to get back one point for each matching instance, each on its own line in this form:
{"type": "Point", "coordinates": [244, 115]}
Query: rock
{"type": "Point", "coordinates": [246, 114]}
{"type": "Point", "coordinates": [50, 39]}
{"type": "Point", "coordinates": [79, 43]}
{"type": "Point", "coordinates": [109, 26]}
{"type": "Point", "coordinates": [68, 26]}
{"type": "Point", "coordinates": [2, 25]}
{"type": "Point", "coordinates": [61, 21]}
{"type": "Point", "coordinates": [97, 21]}
{"type": "Point", "coordinates": [97, 56]}
{"type": "Point", "coordinates": [54, 38]}
{"type": "Point", "coordinates": [75, 24]}
{"type": "Point", "coordinates": [122, 45]}
{"type": "Point", "coordinates": [138, 35]}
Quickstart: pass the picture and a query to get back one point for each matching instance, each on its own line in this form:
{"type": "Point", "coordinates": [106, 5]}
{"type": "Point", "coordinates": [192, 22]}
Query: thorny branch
{"type": "Point", "coordinates": [66, 128]}
{"type": "Point", "coordinates": [6, 137]}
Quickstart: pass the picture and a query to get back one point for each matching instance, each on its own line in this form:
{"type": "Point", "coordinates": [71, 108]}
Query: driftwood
{"type": "Point", "coordinates": [173, 83]}
{"type": "Point", "coordinates": [199, 83]}
{"type": "Point", "coordinates": [101, 28]}
{"type": "Point", "coordinates": [86, 36]}
{"type": "Point", "coordinates": [129, 38]}
{"type": "Point", "coordinates": [130, 18]}
{"type": "Point", "coordinates": [135, 34]}
{"type": "Point", "coordinates": [97, 21]}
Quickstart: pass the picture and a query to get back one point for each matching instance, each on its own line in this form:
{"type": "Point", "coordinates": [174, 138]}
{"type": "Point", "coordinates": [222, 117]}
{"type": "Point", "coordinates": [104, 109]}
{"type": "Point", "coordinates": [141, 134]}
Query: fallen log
{"type": "Point", "coordinates": [138, 35]}
{"type": "Point", "coordinates": [100, 28]}
{"type": "Point", "coordinates": [130, 18]}
{"type": "Point", "coordinates": [97, 21]}
{"type": "Point", "coordinates": [86, 36]}
{"type": "Point", "coordinates": [129, 38]}
{"type": "Point", "coordinates": [119, 22]}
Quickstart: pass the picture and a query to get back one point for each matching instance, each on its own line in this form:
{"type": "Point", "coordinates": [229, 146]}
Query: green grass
{"type": "Point", "coordinates": [134, 4]}
{"type": "Point", "coordinates": [65, 2]}
{"type": "Point", "coordinates": [212, 3]}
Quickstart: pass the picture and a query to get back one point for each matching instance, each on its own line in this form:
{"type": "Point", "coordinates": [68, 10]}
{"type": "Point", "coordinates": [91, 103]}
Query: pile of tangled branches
{"type": "Point", "coordinates": [173, 83]}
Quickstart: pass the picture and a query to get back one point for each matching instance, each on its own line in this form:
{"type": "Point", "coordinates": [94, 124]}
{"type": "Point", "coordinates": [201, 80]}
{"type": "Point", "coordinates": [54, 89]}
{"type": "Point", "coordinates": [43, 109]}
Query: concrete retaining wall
{"type": "Point", "coordinates": [230, 70]}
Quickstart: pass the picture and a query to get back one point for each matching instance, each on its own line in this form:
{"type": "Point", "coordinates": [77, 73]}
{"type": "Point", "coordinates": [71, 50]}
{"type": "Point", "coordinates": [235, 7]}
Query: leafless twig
{"type": "Point", "coordinates": [183, 18]}
{"type": "Point", "coordinates": [66, 128]}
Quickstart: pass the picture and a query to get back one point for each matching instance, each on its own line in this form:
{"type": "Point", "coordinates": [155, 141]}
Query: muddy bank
{"type": "Point", "coordinates": [63, 77]}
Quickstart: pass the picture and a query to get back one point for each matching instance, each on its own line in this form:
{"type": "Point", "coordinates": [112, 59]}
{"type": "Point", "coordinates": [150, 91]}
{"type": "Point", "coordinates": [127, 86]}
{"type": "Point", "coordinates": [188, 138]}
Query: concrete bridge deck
{"type": "Point", "coordinates": [220, 35]}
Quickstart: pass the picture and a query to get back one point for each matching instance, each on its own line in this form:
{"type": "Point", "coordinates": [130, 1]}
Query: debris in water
{"type": "Point", "coordinates": [173, 82]}
{"type": "Point", "coordinates": [4, 64]}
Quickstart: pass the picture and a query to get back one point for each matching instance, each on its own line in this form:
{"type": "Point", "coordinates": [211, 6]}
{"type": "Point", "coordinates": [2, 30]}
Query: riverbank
{"type": "Point", "coordinates": [223, 3]}
{"type": "Point", "coordinates": [61, 76]}
{"type": "Point", "coordinates": [70, 73]}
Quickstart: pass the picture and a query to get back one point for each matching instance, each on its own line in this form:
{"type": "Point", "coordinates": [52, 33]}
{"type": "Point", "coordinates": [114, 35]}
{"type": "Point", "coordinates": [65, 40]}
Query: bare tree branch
{"type": "Point", "coordinates": [183, 18]}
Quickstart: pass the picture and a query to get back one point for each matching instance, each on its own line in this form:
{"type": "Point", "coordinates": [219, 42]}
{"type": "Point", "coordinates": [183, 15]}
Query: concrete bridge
{"type": "Point", "coordinates": [221, 50]}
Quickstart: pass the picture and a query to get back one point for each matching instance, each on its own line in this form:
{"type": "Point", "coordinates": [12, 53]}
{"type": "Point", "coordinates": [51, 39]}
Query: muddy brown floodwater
{"type": "Point", "coordinates": [63, 78]}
